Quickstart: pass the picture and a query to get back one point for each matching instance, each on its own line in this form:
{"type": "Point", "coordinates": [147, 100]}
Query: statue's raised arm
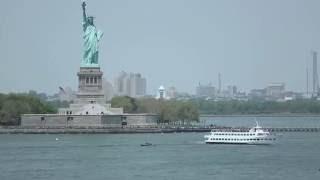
{"type": "Point", "coordinates": [84, 14]}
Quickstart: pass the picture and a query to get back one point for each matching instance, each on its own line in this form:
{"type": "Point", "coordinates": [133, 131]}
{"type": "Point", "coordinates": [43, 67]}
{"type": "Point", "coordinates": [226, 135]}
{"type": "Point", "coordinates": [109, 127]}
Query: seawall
{"type": "Point", "coordinates": [101, 130]}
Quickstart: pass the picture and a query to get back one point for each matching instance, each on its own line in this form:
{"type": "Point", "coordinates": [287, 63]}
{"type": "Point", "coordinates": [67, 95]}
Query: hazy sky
{"type": "Point", "coordinates": [171, 42]}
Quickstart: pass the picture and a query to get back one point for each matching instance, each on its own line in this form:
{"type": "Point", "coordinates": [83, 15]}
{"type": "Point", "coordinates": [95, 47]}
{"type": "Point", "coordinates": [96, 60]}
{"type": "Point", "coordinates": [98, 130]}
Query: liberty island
{"type": "Point", "coordinates": [89, 109]}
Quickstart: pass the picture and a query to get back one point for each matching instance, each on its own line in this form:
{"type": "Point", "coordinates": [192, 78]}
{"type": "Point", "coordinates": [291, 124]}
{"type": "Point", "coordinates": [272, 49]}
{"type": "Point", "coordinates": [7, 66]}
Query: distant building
{"type": "Point", "coordinates": [162, 94]}
{"type": "Point", "coordinates": [232, 91]}
{"type": "Point", "coordinates": [205, 90]}
{"type": "Point", "coordinates": [257, 94]}
{"type": "Point", "coordinates": [107, 89]}
{"type": "Point", "coordinates": [172, 92]}
{"type": "Point", "coordinates": [130, 84]}
{"type": "Point", "coordinates": [275, 90]}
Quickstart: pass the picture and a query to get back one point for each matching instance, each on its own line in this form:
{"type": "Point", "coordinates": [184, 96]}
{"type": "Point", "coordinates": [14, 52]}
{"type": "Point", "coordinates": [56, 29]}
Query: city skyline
{"type": "Point", "coordinates": [250, 43]}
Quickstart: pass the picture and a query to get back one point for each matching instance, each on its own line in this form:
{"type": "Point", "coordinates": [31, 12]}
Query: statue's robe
{"type": "Point", "coordinates": [91, 39]}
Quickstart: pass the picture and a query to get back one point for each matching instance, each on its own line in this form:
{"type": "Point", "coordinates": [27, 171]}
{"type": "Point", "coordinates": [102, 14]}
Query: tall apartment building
{"type": "Point", "coordinates": [130, 84]}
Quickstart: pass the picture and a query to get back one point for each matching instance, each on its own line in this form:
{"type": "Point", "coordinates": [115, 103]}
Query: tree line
{"type": "Point", "coordinates": [169, 111]}
{"type": "Point", "coordinates": [13, 105]}
{"type": "Point", "coordinates": [307, 106]}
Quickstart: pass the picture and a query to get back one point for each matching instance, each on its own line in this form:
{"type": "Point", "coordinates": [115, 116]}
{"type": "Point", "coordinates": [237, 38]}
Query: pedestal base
{"type": "Point", "coordinates": [90, 86]}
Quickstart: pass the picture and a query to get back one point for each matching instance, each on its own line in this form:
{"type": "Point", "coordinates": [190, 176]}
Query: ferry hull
{"type": "Point", "coordinates": [241, 143]}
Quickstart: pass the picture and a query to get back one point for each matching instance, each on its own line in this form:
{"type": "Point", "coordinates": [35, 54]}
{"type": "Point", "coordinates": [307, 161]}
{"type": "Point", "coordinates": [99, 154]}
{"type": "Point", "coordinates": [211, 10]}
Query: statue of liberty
{"type": "Point", "coordinates": [91, 39]}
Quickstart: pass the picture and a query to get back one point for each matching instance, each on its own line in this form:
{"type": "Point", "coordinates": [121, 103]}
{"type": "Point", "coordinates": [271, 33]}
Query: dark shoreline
{"type": "Point", "coordinates": [99, 130]}
{"type": "Point", "coordinates": [261, 115]}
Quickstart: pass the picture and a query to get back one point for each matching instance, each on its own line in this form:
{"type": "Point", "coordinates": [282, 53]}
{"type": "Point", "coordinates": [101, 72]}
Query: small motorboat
{"type": "Point", "coordinates": [146, 144]}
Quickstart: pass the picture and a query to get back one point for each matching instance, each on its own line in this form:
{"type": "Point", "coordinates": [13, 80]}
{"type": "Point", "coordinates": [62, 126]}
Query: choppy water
{"type": "Point", "coordinates": [178, 156]}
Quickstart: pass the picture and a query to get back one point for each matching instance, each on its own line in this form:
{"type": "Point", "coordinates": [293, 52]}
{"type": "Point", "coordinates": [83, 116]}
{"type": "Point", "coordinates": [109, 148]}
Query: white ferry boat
{"type": "Point", "coordinates": [255, 135]}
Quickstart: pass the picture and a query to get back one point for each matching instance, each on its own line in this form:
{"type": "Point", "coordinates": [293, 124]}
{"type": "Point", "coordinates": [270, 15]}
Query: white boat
{"type": "Point", "coordinates": [256, 135]}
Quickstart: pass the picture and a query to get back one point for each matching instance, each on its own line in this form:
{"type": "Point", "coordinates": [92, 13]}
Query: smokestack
{"type": "Point", "coordinates": [315, 74]}
{"type": "Point", "coordinates": [307, 81]}
{"type": "Point", "coordinates": [219, 79]}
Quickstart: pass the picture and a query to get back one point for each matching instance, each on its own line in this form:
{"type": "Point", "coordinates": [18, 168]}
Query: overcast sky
{"type": "Point", "coordinates": [170, 42]}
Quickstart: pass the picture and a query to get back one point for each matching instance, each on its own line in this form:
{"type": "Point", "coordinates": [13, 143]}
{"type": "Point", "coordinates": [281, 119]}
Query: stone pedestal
{"type": "Point", "coordinates": [90, 86]}
{"type": "Point", "coordinates": [90, 96]}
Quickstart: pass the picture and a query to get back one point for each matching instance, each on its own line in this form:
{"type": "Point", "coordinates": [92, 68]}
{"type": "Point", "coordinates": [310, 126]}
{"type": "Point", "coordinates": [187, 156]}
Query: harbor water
{"type": "Point", "coordinates": [176, 156]}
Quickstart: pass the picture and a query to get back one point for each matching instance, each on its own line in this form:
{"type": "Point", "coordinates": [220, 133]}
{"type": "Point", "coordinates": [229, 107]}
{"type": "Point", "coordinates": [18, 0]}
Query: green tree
{"type": "Point", "coordinates": [187, 112]}
{"type": "Point", "coordinates": [13, 105]}
{"type": "Point", "coordinates": [128, 104]}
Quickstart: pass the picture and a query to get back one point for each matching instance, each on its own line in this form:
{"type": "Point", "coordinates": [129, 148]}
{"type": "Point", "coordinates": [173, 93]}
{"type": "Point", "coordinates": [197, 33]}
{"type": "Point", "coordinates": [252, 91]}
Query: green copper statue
{"type": "Point", "coordinates": [91, 39]}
